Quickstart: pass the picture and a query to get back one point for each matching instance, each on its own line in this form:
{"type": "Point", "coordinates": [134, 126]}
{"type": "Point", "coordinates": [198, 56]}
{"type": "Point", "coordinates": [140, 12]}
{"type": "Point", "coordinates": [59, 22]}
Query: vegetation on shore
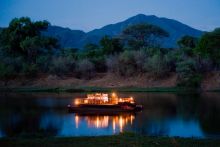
{"type": "Point", "coordinates": [25, 51]}
{"type": "Point", "coordinates": [128, 139]}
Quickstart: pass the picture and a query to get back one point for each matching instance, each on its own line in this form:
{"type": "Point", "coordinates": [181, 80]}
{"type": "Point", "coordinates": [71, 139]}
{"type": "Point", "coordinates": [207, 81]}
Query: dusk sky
{"type": "Point", "coordinates": [90, 14]}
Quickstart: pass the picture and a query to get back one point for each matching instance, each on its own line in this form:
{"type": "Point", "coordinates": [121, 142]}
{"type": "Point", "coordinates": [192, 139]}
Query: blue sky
{"type": "Point", "coordinates": [90, 14]}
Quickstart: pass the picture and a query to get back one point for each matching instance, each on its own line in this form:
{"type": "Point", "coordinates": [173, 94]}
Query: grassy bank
{"type": "Point", "coordinates": [95, 89]}
{"type": "Point", "coordinates": [116, 141]}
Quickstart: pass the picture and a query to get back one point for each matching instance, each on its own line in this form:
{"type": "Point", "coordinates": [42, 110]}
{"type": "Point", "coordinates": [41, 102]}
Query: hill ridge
{"type": "Point", "coordinates": [78, 38]}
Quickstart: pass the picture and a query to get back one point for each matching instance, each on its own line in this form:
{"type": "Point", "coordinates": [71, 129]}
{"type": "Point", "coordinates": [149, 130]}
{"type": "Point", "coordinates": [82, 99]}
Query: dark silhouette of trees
{"type": "Point", "coordinates": [110, 45]}
{"type": "Point", "coordinates": [23, 38]}
{"type": "Point", "coordinates": [143, 35]}
{"type": "Point", "coordinates": [188, 42]}
{"type": "Point", "coordinates": [209, 46]}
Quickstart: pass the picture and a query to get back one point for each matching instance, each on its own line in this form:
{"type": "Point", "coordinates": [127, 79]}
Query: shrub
{"type": "Point", "coordinates": [140, 58]}
{"type": "Point", "coordinates": [62, 65]}
{"type": "Point", "coordinates": [187, 74]}
{"type": "Point", "coordinates": [16, 63]}
{"type": "Point", "coordinates": [171, 59]}
{"type": "Point", "coordinates": [43, 63]}
{"type": "Point", "coordinates": [112, 63]}
{"type": "Point", "coordinates": [85, 69]}
{"type": "Point", "coordinates": [150, 51]}
{"type": "Point", "coordinates": [127, 64]}
{"type": "Point", "coordinates": [99, 63]}
{"type": "Point", "coordinates": [156, 65]}
{"type": "Point", "coordinates": [6, 72]}
{"type": "Point", "coordinates": [205, 64]}
{"type": "Point", "coordinates": [29, 70]}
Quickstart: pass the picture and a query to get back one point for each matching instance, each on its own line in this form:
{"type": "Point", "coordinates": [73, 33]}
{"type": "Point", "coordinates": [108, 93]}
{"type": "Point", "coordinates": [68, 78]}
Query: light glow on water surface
{"type": "Point", "coordinates": [163, 115]}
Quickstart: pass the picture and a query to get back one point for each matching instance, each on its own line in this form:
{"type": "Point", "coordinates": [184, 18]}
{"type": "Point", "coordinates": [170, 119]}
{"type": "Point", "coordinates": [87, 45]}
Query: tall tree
{"type": "Point", "coordinates": [110, 45]}
{"type": "Point", "coordinates": [23, 37]}
{"type": "Point", "coordinates": [187, 45]}
{"type": "Point", "coordinates": [209, 46]}
{"type": "Point", "coordinates": [91, 50]}
{"type": "Point", "coordinates": [143, 35]}
{"type": "Point", "coordinates": [188, 42]}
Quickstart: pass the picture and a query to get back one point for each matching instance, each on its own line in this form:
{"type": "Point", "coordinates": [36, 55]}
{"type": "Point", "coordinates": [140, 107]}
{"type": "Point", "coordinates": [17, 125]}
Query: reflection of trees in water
{"type": "Point", "coordinates": [159, 105]}
{"type": "Point", "coordinates": [45, 100]}
{"type": "Point", "coordinates": [27, 125]}
{"type": "Point", "coordinates": [188, 105]}
{"type": "Point", "coordinates": [209, 116]}
{"type": "Point", "coordinates": [157, 108]}
{"type": "Point", "coordinates": [21, 116]}
{"type": "Point", "coordinates": [203, 107]}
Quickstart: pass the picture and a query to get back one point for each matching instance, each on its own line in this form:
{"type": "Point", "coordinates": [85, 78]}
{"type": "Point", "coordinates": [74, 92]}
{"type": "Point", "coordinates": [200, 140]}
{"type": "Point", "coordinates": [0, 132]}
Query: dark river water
{"type": "Point", "coordinates": [164, 114]}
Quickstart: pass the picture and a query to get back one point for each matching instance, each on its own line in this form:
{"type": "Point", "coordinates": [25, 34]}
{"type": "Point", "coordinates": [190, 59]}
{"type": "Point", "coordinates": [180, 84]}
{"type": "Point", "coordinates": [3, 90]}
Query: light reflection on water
{"type": "Point", "coordinates": [163, 115]}
{"type": "Point", "coordinates": [75, 125]}
{"type": "Point", "coordinates": [114, 122]}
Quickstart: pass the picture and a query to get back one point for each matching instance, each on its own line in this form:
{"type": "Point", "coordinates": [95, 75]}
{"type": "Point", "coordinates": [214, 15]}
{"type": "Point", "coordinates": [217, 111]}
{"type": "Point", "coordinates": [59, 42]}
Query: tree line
{"type": "Point", "coordinates": [24, 51]}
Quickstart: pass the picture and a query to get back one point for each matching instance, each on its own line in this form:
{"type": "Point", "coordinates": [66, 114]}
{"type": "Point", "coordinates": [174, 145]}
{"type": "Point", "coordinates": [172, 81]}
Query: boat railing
{"type": "Point", "coordinates": [79, 101]}
{"type": "Point", "coordinates": [102, 101]}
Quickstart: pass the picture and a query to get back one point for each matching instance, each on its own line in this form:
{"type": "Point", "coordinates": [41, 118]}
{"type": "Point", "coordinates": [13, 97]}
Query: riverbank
{"type": "Point", "coordinates": [128, 139]}
{"type": "Point", "coordinates": [107, 82]}
{"type": "Point", "coordinates": [103, 80]}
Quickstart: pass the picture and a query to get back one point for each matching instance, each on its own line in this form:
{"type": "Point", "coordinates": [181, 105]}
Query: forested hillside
{"type": "Point", "coordinates": [27, 52]}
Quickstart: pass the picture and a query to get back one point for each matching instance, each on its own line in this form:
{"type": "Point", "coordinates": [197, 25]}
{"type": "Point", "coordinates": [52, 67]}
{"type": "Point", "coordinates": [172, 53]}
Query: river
{"type": "Point", "coordinates": [164, 114]}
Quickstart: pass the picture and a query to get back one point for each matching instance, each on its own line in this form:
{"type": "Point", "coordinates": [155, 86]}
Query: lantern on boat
{"type": "Point", "coordinates": [76, 102]}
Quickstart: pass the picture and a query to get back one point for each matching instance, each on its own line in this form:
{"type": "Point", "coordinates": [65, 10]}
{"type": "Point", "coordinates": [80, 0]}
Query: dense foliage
{"type": "Point", "coordinates": [143, 35]}
{"type": "Point", "coordinates": [209, 47]}
{"type": "Point", "coordinates": [24, 51]}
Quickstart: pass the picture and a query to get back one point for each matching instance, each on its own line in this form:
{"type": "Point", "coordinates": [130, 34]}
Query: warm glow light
{"type": "Point", "coordinates": [86, 101]}
{"type": "Point", "coordinates": [118, 122]}
{"type": "Point", "coordinates": [113, 125]}
{"type": "Point", "coordinates": [113, 94]}
{"type": "Point", "coordinates": [77, 121]}
{"type": "Point", "coordinates": [121, 123]}
{"type": "Point", "coordinates": [132, 118]}
{"type": "Point", "coordinates": [102, 98]}
{"type": "Point", "coordinates": [76, 102]}
{"type": "Point", "coordinates": [97, 122]}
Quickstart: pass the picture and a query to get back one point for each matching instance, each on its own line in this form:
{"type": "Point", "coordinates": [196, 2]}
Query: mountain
{"type": "Point", "coordinates": [66, 36]}
{"type": "Point", "coordinates": [76, 38]}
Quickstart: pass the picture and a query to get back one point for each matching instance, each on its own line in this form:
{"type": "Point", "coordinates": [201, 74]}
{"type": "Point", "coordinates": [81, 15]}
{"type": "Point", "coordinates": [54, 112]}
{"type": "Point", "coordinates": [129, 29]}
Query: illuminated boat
{"type": "Point", "coordinates": [101, 103]}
